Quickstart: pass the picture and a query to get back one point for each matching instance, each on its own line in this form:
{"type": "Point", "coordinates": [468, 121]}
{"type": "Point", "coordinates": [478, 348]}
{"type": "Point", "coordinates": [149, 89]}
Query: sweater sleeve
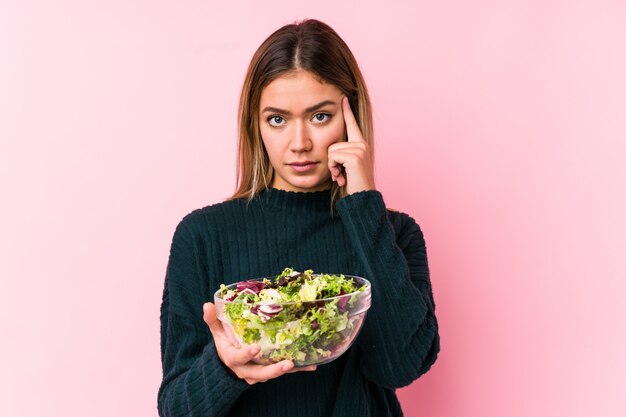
{"type": "Point", "coordinates": [195, 382]}
{"type": "Point", "coordinates": [399, 340]}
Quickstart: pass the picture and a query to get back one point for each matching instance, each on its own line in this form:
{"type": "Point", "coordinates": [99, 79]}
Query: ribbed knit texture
{"type": "Point", "coordinates": [239, 240]}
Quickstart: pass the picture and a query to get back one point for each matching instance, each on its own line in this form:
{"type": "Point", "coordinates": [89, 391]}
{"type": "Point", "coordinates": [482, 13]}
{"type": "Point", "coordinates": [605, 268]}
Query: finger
{"type": "Point", "coordinates": [262, 373]}
{"type": "Point", "coordinates": [347, 146]}
{"type": "Point", "coordinates": [343, 159]}
{"type": "Point", "coordinates": [337, 158]}
{"type": "Point", "coordinates": [339, 164]}
{"type": "Point", "coordinates": [352, 127]}
{"type": "Point", "coordinates": [351, 153]}
{"type": "Point", "coordinates": [336, 173]}
{"type": "Point", "coordinates": [309, 368]}
{"type": "Point", "coordinates": [234, 356]}
{"type": "Point", "coordinates": [340, 179]}
{"type": "Point", "coordinates": [215, 325]}
{"type": "Point", "coordinates": [333, 167]}
{"type": "Point", "coordinates": [210, 318]}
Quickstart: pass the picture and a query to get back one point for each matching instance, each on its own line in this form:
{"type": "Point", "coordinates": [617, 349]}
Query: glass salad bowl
{"type": "Point", "coordinates": [304, 317]}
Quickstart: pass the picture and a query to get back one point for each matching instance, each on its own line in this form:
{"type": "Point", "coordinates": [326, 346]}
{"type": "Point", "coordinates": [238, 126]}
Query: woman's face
{"type": "Point", "coordinates": [299, 119]}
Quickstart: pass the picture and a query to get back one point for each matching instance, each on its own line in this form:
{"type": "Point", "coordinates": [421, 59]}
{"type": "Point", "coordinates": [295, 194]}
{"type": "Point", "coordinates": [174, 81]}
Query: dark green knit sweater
{"type": "Point", "coordinates": [237, 240]}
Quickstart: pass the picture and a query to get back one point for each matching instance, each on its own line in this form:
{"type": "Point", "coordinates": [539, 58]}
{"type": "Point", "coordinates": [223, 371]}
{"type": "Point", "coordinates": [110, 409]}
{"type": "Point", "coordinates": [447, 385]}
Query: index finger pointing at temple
{"type": "Point", "coordinates": [352, 127]}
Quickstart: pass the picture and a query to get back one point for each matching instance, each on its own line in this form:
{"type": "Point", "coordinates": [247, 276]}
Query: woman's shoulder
{"type": "Point", "coordinates": [398, 215]}
{"type": "Point", "coordinates": [403, 223]}
{"type": "Point", "coordinates": [212, 214]}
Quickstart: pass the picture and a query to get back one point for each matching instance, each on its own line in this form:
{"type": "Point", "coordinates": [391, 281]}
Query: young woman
{"type": "Point", "coordinates": [306, 199]}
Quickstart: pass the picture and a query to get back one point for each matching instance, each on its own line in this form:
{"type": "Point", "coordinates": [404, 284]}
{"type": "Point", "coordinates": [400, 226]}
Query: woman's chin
{"type": "Point", "coordinates": [314, 185]}
{"type": "Point", "coordinates": [304, 185]}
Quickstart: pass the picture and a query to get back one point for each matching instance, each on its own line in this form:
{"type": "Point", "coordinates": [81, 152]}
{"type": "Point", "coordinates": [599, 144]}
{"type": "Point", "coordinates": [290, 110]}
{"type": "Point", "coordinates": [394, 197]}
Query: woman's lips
{"type": "Point", "coordinates": [303, 166]}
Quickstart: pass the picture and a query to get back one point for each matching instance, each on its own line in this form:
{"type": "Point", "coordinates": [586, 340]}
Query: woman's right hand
{"type": "Point", "coordinates": [239, 359]}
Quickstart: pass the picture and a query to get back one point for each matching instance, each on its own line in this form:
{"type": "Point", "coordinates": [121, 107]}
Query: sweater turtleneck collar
{"type": "Point", "coordinates": [296, 200]}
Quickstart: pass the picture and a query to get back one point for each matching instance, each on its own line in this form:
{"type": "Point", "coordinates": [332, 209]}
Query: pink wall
{"type": "Point", "coordinates": [501, 128]}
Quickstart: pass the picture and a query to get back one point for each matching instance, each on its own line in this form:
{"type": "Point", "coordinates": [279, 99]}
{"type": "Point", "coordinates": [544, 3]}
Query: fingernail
{"type": "Point", "coordinates": [287, 366]}
{"type": "Point", "coordinates": [254, 350]}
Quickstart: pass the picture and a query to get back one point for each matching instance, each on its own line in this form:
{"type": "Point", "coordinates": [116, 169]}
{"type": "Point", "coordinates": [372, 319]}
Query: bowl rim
{"type": "Point", "coordinates": [367, 285]}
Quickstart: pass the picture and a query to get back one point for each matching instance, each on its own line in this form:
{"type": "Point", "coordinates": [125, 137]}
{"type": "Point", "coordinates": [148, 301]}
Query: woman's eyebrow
{"type": "Point", "coordinates": [307, 110]}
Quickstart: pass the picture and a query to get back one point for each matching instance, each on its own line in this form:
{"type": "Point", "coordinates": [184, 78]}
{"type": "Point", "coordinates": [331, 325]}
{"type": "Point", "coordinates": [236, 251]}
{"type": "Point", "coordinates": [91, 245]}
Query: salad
{"type": "Point", "coordinates": [299, 316]}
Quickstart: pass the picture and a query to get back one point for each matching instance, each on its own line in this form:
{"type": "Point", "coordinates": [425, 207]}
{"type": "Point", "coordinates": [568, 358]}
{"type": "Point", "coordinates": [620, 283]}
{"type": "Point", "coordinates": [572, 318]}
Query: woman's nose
{"type": "Point", "coordinates": [301, 140]}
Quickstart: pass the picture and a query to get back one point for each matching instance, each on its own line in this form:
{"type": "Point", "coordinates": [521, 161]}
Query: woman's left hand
{"type": "Point", "coordinates": [354, 155]}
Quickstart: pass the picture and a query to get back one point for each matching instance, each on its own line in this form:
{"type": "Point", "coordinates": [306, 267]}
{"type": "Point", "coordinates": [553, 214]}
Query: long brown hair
{"type": "Point", "coordinates": [308, 45]}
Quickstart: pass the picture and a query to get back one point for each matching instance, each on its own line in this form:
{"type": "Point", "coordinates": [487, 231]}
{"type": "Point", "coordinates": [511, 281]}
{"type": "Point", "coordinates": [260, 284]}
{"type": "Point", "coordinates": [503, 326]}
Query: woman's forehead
{"type": "Point", "coordinates": [297, 91]}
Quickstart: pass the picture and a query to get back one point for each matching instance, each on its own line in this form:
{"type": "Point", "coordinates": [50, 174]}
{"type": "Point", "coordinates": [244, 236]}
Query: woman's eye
{"type": "Point", "coordinates": [275, 121]}
{"type": "Point", "coordinates": [321, 117]}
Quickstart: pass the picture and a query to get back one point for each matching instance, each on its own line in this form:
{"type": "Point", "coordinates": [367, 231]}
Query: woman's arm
{"type": "Point", "coordinates": [400, 337]}
{"type": "Point", "coordinates": [195, 383]}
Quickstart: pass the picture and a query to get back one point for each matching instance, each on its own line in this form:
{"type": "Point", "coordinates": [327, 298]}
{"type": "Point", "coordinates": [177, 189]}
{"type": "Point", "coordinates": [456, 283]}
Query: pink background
{"type": "Point", "coordinates": [501, 127]}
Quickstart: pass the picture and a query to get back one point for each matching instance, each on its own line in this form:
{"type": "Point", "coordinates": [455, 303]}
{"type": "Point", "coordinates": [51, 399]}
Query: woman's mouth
{"type": "Point", "coordinates": [303, 166]}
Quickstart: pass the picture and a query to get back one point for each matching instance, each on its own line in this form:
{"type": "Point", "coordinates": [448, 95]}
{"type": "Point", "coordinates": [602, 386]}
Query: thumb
{"type": "Point", "coordinates": [210, 317]}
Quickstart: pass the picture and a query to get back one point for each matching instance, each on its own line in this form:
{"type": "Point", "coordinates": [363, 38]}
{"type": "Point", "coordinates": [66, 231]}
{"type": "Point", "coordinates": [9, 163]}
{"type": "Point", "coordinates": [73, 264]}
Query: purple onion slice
{"type": "Point", "coordinates": [342, 304]}
{"type": "Point", "coordinates": [272, 309]}
{"type": "Point", "coordinates": [254, 286]}
{"type": "Point", "coordinates": [266, 311]}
